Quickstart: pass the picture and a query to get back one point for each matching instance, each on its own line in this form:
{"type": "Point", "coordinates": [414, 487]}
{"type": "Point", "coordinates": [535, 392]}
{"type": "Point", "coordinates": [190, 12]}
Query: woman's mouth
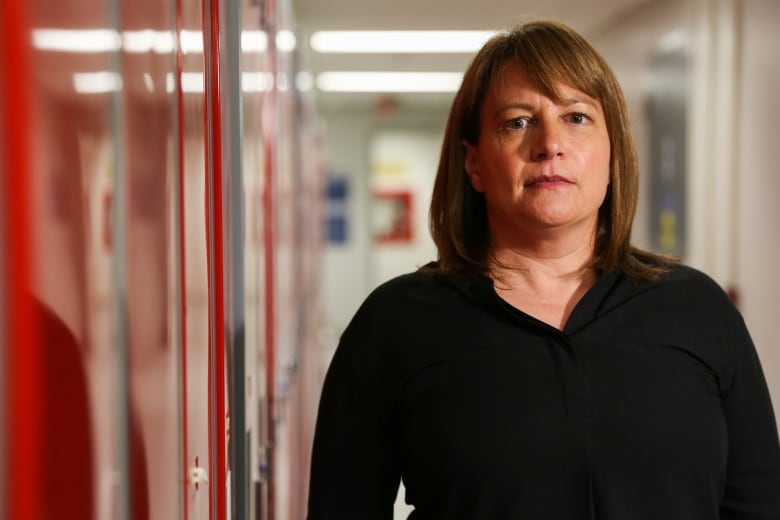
{"type": "Point", "coordinates": [547, 181]}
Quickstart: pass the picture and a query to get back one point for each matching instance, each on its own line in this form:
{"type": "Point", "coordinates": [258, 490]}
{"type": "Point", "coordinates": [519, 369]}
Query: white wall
{"type": "Point", "coordinates": [404, 160]}
{"type": "Point", "coordinates": [350, 270]}
{"type": "Point", "coordinates": [345, 266]}
{"type": "Point", "coordinates": [758, 183]}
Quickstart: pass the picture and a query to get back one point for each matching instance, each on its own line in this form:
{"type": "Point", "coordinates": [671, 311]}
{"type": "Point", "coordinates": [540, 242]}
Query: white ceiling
{"type": "Point", "coordinates": [587, 16]}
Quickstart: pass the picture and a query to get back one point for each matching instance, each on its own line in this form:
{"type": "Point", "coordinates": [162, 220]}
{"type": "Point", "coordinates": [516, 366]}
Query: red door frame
{"type": "Point", "coordinates": [215, 216]}
{"type": "Point", "coordinates": [185, 456]}
{"type": "Point", "coordinates": [23, 356]}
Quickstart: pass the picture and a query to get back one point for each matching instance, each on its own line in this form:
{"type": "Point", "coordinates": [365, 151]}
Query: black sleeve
{"type": "Point", "coordinates": [752, 489]}
{"type": "Point", "coordinates": [354, 468]}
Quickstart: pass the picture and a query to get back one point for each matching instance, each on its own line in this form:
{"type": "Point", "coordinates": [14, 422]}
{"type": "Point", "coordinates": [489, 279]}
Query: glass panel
{"type": "Point", "coordinates": [150, 181]}
{"type": "Point", "coordinates": [233, 262]}
{"type": "Point", "coordinates": [299, 192]}
{"type": "Point", "coordinates": [250, 431]}
{"type": "Point", "coordinates": [285, 280]}
{"type": "Point", "coordinates": [74, 171]}
{"type": "Point", "coordinates": [235, 351]}
{"type": "Point", "coordinates": [195, 292]}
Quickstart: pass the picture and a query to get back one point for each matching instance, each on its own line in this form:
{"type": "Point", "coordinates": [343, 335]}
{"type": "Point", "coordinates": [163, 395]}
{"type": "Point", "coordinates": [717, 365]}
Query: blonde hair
{"type": "Point", "coordinates": [551, 54]}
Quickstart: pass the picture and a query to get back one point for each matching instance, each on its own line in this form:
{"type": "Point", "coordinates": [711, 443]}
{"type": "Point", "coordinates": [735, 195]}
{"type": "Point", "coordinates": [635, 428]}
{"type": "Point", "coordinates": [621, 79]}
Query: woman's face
{"type": "Point", "coordinates": [543, 165]}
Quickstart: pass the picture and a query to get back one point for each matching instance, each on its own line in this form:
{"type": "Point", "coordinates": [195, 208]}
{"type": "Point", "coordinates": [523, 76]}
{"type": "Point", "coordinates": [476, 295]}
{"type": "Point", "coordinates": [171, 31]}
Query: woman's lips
{"type": "Point", "coordinates": [548, 180]}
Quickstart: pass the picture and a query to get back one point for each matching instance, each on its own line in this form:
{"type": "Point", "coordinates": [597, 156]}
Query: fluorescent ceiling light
{"type": "Point", "coordinates": [286, 41]}
{"type": "Point", "coordinates": [97, 82]}
{"type": "Point", "coordinates": [192, 41]}
{"type": "Point", "coordinates": [148, 40]}
{"type": "Point", "coordinates": [87, 40]}
{"type": "Point", "coordinates": [191, 82]}
{"type": "Point", "coordinates": [304, 81]}
{"type": "Point", "coordinates": [399, 41]}
{"type": "Point", "coordinates": [257, 41]}
{"type": "Point", "coordinates": [253, 41]}
{"type": "Point", "coordinates": [389, 81]}
{"type": "Point", "coordinates": [257, 81]}
{"type": "Point", "coordinates": [143, 41]}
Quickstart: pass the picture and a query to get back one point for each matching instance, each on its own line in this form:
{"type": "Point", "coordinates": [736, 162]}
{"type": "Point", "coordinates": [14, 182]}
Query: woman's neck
{"type": "Point", "coordinates": [546, 283]}
{"type": "Point", "coordinates": [545, 258]}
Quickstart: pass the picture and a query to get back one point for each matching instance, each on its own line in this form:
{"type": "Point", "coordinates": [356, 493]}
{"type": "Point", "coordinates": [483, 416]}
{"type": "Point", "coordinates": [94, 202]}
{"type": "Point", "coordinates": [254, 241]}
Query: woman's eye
{"type": "Point", "coordinates": [517, 124]}
{"type": "Point", "coordinates": [578, 118]}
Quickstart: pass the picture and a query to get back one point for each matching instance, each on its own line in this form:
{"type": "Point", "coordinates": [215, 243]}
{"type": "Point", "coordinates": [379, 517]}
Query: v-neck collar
{"type": "Point", "coordinates": [481, 289]}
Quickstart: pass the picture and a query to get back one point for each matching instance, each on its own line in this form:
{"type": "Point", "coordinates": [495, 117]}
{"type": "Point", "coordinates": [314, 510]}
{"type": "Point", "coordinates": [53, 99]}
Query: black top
{"type": "Point", "coordinates": [650, 404]}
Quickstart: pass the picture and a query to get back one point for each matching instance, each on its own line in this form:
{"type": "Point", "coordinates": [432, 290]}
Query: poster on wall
{"type": "Point", "coordinates": [337, 191]}
{"type": "Point", "coordinates": [391, 216]}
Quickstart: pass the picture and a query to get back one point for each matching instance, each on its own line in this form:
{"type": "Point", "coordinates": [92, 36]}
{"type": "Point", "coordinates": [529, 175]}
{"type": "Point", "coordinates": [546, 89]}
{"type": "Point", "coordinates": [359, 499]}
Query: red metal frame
{"type": "Point", "coordinates": [217, 412]}
{"type": "Point", "coordinates": [182, 261]}
{"type": "Point", "coordinates": [23, 350]}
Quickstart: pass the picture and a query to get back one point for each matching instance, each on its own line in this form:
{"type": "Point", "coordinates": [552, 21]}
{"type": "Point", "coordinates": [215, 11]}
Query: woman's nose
{"type": "Point", "coordinates": [547, 142]}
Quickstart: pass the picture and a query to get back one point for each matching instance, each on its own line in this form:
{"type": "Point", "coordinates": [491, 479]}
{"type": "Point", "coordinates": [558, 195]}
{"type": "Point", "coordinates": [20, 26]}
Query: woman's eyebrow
{"type": "Point", "coordinates": [575, 100]}
{"type": "Point", "coordinates": [508, 106]}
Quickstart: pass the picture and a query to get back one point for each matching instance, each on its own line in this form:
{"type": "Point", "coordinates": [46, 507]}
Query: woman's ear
{"type": "Point", "coordinates": [471, 166]}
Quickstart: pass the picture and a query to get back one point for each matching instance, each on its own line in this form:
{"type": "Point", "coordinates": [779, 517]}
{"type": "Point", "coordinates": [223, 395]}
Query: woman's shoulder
{"type": "Point", "coordinates": [397, 317]}
{"type": "Point", "coordinates": [686, 275]}
{"type": "Point", "coordinates": [411, 300]}
{"type": "Point", "coordinates": [689, 285]}
{"type": "Point", "coordinates": [403, 283]}
{"type": "Point", "coordinates": [648, 269]}
{"type": "Point", "coordinates": [407, 292]}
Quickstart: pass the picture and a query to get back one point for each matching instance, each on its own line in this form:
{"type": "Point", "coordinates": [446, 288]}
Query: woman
{"type": "Point", "coordinates": [544, 368]}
